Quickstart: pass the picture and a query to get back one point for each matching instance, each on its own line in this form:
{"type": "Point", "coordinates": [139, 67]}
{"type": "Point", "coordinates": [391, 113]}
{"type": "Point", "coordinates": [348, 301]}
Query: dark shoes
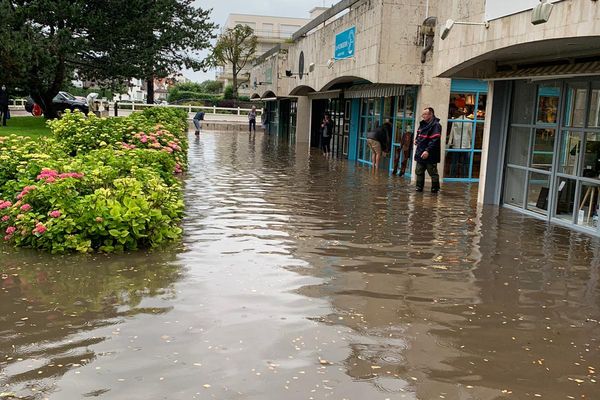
{"type": "Point", "coordinates": [433, 190]}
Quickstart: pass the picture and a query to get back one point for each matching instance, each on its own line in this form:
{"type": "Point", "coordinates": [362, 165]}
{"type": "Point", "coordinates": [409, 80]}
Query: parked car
{"type": "Point", "coordinates": [62, 101]}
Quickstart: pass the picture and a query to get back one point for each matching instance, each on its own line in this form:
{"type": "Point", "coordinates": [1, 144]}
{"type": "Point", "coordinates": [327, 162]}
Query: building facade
{"type": "Point", "coordinates": [518, 102]}
{"type": "Point", "coordinates": [361, 61]}
{"type": "Point", "coordinates": [269, 31]}
{"type": "Point", "coordinates": [541, 142]}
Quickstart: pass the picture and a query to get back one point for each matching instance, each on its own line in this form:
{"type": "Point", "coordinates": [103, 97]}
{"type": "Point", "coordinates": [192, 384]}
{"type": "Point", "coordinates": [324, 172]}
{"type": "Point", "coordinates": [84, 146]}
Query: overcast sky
{"type": "Point", "coordinates": [281, 8]}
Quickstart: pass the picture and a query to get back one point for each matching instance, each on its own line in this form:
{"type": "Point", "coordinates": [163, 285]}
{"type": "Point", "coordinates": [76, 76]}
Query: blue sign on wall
{"type": "Point", "coordinates": [344, 43]}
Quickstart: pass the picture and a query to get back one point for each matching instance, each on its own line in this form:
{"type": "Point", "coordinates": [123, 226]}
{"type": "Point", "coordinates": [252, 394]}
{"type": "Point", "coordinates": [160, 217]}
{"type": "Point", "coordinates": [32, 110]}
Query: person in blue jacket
{"type": "Point", "coordinates": [427, 154]}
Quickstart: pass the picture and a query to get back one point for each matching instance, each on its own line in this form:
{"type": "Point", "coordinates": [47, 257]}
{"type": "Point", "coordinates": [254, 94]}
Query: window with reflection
{"type": "Point", "coordinates": [464, 134]}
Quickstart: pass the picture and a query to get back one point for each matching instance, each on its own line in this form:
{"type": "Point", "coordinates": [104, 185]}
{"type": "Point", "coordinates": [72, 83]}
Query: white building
{"type": "Point", "coordinates": [269, 31]}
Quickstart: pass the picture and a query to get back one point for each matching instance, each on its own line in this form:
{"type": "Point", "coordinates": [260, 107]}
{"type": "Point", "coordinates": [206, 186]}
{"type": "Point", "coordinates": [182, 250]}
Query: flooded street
{"type": "Point", "coordinates": [306, 278]}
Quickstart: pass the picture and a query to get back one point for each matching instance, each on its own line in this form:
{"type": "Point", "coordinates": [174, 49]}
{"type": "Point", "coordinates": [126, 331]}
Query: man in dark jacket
{"type": "Point", "coordinates": [427, 154]}
{"type": "Point", "coordinates": [3, 104]}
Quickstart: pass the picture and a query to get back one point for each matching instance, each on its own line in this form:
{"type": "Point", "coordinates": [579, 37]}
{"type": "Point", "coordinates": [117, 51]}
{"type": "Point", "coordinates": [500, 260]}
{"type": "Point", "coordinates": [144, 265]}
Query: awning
{"type": "Point", "coordinates": [328, 94]}
{"type": "Point", "coordinates": [373, 90]}
{"type": "Point", "coordinates": [550, 71]}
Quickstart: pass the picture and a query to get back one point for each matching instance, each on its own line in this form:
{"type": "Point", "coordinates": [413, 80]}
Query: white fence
{"type": "Point", "coordinates": [19, 104]}
{"type": "Point", "coordinates": [126, 105]}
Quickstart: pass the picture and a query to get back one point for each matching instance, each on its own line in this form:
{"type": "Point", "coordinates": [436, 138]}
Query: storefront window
{"type": "Point", "coordinates": [514, 185]}
{"type": "Point", "coordinates": [543, 149]}
{"type": "Point", "coordinates": [538, 192]}
{"type": "Point", "coordinates": [570, 145]}
{"type": "Point", "coordinates": [591, 157]}
{"type": "Point", "coordinates": [518, 145]}
{"type": "Point", "coordinates": [523, 102]}
{"type": "Point", "coordinates": [547, 104]}
{"type": "Point", "coordinates": [561, 163]}
{"type": "Point", "coordinates": [594, 114]}
{"type": "Point", "coordinates": [464, 138]}
{"type": "Point", "coordinates": [575, 104]}
{"type": "Point", "coordinates": [566, 199]}
{"type": "Point", "coordinates": [587, 214]}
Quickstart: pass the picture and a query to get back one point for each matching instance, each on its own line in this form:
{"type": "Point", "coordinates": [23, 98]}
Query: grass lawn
{"type": "Point", "coordinates": [25, 126]}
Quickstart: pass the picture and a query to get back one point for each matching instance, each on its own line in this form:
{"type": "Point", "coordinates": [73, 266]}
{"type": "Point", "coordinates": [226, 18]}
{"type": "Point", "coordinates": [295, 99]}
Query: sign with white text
{"type": "Point", "coordinates": [344, 44]}
{"type": "Point", "coordinates": [495, 9]}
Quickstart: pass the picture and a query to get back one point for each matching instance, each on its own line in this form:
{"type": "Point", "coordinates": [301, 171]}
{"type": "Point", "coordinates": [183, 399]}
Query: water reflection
{"type": "Point", "coordinates": [307, 277]}
{"type": "Point", "coordinates": [49, 304]}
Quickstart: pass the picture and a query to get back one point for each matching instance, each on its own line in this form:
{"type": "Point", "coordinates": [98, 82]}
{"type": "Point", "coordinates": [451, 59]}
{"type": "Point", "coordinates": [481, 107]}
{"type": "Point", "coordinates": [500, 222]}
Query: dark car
{"type": "Point", "coordinates": [62, 101]}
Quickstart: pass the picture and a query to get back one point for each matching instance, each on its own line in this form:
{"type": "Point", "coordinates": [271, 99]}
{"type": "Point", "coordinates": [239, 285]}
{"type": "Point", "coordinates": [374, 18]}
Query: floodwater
{"type": "Point", "coordinates": [306, 278]}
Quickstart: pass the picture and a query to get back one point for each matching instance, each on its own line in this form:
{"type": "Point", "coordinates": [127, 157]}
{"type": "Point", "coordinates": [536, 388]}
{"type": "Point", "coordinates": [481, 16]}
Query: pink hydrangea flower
{"type": "Point", "coordinates": [10, 230]}
{"type": "Point", "coordinates": [5, 218]}
{"type": "Point", "coordinates": [55, 214]}
{"type": "Point", "coordinates": [25, 191]}
{"type": "Point", "coordinates": [39, 229]}
{"type": "Point", "coordinates": [5, 204]}
{"type": "Point", "coordinates": [25, 207]}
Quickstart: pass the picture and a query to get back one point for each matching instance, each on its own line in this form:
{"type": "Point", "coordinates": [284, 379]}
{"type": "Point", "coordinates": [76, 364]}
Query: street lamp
{"type": "Point", "coordinates": [450, 23]}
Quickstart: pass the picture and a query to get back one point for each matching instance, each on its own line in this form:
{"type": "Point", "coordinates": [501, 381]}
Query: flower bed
{"type": "Point", "coordinates": [96, 184]}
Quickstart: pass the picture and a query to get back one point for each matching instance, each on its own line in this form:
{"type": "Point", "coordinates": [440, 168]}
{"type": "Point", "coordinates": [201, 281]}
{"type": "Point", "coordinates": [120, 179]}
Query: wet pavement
{"type": "Point", "coordinates": [306, 278]}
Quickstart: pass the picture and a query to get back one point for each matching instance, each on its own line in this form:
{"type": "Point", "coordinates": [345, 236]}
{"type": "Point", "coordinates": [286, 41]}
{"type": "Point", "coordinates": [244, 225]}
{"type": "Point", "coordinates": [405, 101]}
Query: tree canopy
{"type": "Point", "coordinates": [235, 48]}
{"type": "Point", "coordinates": [42, 42]}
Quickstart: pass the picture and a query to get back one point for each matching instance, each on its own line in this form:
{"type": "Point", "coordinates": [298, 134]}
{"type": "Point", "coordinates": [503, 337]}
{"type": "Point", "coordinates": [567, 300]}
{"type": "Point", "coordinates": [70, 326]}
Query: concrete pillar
{"type": "Point", "coordinates": [485, 144]}
{"type": "Point", "coordinates": [303, 120]}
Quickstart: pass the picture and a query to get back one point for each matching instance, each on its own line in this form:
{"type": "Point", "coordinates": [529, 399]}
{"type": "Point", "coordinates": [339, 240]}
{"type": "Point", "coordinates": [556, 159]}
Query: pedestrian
{"type": "Point", "coordinates": [406, 142]}
{"type": "Point", "coordinates": [197, 118]}
{"type": "Point", "coordinates": [252, 120]}
{"type": "Point", "coordinates": [4, 105]}
{"type": "Point", "coordinates": [427, 154]}
{"type": "Point", "coordinates": [326, 132]}
{"type": "Point", "coordinates": [377, 140]}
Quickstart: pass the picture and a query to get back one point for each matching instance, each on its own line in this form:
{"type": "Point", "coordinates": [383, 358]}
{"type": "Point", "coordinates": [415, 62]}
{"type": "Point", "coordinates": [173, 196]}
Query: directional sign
{"type": "Point", "coordinates": [344, 43]}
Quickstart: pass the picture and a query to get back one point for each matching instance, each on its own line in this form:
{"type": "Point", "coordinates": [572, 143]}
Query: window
{"type": "Point", "coordinates": [553, 151]}
{"type": "Point", "coordinates": [464, 134]}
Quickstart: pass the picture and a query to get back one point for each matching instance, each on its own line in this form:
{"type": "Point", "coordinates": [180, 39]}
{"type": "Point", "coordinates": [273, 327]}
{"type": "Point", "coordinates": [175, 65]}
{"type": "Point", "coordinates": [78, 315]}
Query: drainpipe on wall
{"type": "Point", "coordinates": [428, 30]}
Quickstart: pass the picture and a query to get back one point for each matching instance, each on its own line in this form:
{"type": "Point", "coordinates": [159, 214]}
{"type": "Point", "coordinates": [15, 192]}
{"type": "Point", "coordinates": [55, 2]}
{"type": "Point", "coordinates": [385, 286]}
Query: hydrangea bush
{"type": "Point", "coordinates": [97, 185]}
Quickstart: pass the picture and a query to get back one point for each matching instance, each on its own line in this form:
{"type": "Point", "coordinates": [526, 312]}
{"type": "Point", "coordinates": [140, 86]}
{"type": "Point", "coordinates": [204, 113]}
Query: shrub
{"type": "Point", "coordinates": [98, 185]}
{"type": "Point", "coordinates": [228, 92]}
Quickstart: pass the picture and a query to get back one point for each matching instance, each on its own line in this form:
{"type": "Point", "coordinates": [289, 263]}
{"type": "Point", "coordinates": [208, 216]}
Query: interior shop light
{"type": "Point", "coordinates": [450, 23]}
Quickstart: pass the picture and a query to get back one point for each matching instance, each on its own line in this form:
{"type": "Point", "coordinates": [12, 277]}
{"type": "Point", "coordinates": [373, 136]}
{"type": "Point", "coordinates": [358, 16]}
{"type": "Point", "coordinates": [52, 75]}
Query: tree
{"type": "Point", "coordinates": [42, 42]}
{"type": "Point", "coordinates": [159, 38]}
{"type": "Point", "coordinates": [235, 47]}
{"type": "Point", "coordinates": [212, 86]}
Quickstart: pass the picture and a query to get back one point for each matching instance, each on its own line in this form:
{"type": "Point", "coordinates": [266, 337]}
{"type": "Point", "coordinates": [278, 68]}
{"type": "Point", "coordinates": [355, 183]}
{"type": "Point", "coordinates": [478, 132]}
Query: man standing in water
{"type": "Point", "coordinates": [427, 154]}
{"type": "Point", "coordinates": [4, 105]}
{"type": "Point", "coordinates": [252, 120]}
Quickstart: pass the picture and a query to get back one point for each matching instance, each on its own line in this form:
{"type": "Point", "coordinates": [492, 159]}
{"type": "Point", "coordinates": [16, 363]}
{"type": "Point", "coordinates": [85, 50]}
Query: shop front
{"type": "Point", "coordinates": [552, 159]}
{"type": "Point", "coordinates": [400, 110]}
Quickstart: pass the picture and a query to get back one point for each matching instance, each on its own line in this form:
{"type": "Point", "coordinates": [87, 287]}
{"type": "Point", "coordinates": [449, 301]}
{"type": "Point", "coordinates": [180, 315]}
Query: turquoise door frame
{"type": "Point", "coordinates": [354, 127]}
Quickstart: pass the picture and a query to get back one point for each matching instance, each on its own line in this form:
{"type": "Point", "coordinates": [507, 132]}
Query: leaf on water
{"type": "Point", "coordinates": [206, 386]}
